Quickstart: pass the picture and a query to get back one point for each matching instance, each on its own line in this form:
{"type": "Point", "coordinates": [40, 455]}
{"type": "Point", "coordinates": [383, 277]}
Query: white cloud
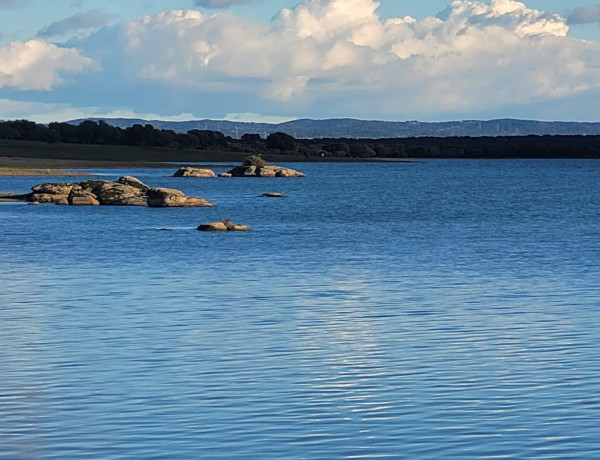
{"type": "Point", "coordinates": [337, 57]}
{"type": "Point", "coordinates": [37, 65]}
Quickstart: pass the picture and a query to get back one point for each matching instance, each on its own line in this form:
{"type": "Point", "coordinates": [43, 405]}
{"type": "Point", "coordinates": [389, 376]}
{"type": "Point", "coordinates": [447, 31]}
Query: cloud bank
{"type": "Point", "coordinates": [331, 58]}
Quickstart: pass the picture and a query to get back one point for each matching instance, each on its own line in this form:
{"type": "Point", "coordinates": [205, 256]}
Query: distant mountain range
{"type": "Point", "coordinates": [351, 128]}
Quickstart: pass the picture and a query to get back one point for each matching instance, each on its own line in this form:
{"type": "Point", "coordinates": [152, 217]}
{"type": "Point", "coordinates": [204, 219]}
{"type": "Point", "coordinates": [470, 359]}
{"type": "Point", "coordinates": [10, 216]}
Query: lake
{"type": "Point", "coordinates": [434, 309]}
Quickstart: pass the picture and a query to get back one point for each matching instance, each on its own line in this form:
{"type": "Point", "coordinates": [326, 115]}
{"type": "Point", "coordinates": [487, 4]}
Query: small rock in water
{"type": "Point", "coordinates": [273, 195]}
{"type": "Point", "coordinates": [225, 226]}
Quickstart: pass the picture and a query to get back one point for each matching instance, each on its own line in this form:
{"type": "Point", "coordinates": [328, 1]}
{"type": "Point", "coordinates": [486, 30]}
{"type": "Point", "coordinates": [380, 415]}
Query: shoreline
{"type": "Point", "coordinates": [38, 173]}
{"type": "Point", "coordinates": [26, 166]}
{"type": "Point", "coordinates": [16, 166]}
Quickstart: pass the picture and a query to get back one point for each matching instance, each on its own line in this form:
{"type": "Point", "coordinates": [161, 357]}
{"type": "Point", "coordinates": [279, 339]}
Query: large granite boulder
{"type": "Point", "coordinates": [187, 171]}
{"type": "Point", "coordinates": [133, 182]}
{"type": "Point", "coordinates": [127, 191]}
{"type": "Point", "coordinates": [118, 194]}
{"type": "Point", "coordinates": [167, 197]}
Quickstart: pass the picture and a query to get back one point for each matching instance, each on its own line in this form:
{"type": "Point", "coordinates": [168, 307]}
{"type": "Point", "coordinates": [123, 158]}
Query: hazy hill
{"type": "Point", "coordinates": [351, 128]}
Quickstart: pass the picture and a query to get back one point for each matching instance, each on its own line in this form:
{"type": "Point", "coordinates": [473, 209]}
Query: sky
{"type": "Point", "coordinates": [275, 60]}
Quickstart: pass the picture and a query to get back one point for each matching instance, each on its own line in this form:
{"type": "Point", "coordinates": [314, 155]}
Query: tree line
{"type": "Point", "coordinates": [101, 133]}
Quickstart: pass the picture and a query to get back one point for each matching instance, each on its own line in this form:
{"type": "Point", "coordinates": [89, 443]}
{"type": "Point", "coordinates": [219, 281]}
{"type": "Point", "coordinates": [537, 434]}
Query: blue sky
{"type": "Point", "coordinates": [275, 60]}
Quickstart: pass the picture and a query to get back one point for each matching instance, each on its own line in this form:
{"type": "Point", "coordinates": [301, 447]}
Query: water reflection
{"type": "Point", "coordinates": [351, 323]}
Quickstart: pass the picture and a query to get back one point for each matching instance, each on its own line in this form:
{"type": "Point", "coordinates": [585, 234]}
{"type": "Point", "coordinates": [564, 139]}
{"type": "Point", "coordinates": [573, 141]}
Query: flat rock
{"type": "Point", "coordinates": [187, 171]}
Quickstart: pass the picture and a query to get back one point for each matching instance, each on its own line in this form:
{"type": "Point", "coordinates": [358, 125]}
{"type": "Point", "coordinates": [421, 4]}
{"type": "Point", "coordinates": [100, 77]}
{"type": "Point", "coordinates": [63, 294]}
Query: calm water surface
{"type": "Point", "coordinates": [439, 309]}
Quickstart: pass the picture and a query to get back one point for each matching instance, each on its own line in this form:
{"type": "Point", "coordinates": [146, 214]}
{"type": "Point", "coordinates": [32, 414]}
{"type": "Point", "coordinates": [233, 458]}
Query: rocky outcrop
{"type": "Point", "coordinates": [262, 171]}
{"type": "Point", "coordinates": [225, 226]}
{"type": "Point", "coordinates": [127, 191]}
{"type": "Point", "coordinates": [187, 171]}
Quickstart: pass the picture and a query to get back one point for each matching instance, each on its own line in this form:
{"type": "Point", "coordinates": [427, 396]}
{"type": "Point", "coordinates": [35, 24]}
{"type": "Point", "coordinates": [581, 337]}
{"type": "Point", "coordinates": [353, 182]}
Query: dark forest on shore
{"type": "Point", "coordinates": [146, 136]}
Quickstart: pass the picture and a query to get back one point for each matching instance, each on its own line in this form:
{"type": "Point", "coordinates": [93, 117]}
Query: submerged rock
{"type": "Point", "coordinates": [273, 195]}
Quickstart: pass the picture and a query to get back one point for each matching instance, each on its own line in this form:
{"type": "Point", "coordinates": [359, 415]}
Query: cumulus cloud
{"type": "Point", "coordinates": [585, 15]}
{"type": "Point", "coordinates": [220, 3]}
{"type": "Point", "coordinates": [80, 21]}
{"type": "Point", "coordinates": [332, 57]}
{"type": "Point", "coordinates": [37, 65]}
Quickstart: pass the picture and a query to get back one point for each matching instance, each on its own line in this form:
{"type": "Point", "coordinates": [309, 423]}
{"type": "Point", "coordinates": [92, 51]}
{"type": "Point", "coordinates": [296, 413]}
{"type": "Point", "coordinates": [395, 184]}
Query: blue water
{"type": "Point", "coordinates": [427, 310]}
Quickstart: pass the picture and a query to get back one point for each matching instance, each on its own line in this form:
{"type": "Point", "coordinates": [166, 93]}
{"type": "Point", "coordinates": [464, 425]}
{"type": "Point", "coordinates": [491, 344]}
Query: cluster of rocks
{"type": "Point", "coordinates": [261, 171]}
{"type": "Point", "coordinates": [130, 191]}
{"type": "Point", "coordinates": [240, 171]}
{"type": "Point", "coordinates": [127, 191]}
